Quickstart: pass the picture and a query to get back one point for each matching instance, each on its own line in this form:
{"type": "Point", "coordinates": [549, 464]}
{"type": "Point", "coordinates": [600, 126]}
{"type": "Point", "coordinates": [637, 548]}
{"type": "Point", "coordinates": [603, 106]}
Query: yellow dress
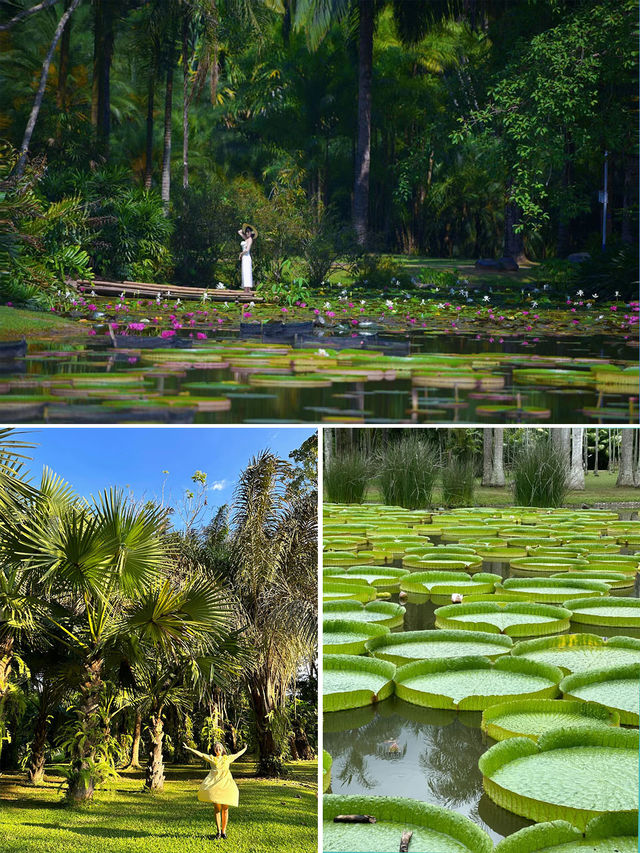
{"type": "Point", "coordinates": [219, 786]}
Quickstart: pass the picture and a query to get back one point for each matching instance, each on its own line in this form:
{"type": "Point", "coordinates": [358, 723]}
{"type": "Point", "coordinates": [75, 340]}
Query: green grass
{"type": "Point", "coordinates": [601, 490]}
{"type": "Point", "coordinates": [16, 323]}
{"type": "Point", "coordinates": [272, 815]}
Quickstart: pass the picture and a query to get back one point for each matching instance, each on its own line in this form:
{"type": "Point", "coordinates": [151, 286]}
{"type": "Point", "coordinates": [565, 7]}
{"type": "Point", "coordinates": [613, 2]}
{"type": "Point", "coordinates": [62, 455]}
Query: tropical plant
{"type": "Point", "coordinates": [458, 482]}
{"type": "Point", "coordinates": [408, 471]}
{"type": "Point", "coordinates": [346, 477]}
{"type": "Point", "coordinates": [540, 475]}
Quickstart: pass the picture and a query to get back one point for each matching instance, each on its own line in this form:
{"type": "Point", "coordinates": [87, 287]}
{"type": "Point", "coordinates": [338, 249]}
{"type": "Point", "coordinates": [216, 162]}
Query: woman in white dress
{"type": "Point", "coordinates": [248, 234]}
{"type": "Point", "coordinates": [219, 787]}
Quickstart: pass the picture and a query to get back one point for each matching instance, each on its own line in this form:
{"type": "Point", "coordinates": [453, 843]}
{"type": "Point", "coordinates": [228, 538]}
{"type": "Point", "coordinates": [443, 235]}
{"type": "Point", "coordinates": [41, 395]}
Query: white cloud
{"type": "Point", "coordinates": [218, 485]}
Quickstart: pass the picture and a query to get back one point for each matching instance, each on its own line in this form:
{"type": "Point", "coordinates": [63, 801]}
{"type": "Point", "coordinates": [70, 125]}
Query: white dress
{"type": "Point", "coordinates": [247, 271]}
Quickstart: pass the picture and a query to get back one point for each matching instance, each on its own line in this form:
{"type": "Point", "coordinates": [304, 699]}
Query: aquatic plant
{"type": "Point", "coordinates": [346, 477]}
{"type": "Point", "coordinates": [408, 471]}
{"type": "Point", "coordinates": [533, 717]}
{"type": "Point", "coordinates": [617, 688]}
{"type": "Point", "coordinates": [540, 476]}
{"type": "Point", "coordinates": [352, 681]}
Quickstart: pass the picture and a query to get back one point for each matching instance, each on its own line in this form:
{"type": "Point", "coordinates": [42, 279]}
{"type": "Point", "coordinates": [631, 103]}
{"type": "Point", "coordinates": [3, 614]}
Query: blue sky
{"type": "Point", "coordinates": [94, 458]}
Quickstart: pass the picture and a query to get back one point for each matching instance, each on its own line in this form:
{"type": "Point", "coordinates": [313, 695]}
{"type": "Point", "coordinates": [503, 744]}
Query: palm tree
{"type": "Point", "coordinates": [625, 472]}
{"type": "Point", "coordinates": [274, 578]}
{"type": "Point", "coordinates": [412, 22]}
{"type": "Point", "coordinates": [87, 560]}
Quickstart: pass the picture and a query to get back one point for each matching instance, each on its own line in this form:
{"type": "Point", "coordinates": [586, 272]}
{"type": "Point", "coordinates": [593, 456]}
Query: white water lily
{"type": "Point", "coordinates": [327, 306]}
{"type": "Point", "coordinates": [323, 352]}
{"type": "Point", "coordinates": [220, 286]}
{"type": "Point", "coordinates": [226, 305]}
{"type": "Point", "coordinates": [389, 303]}
{"type": "Point", "coordinates": [485, 298]}
{"type": "Point", "coordinates": [158, 299]}
{"type": "Point", "coordinates": [580, 293]}
{"type": "Point", "coordinates": [534, 304]}
{"type": "Point", "coordinates": [178, 302]}
{"type": "Point", "coordinates": [617, 293]}
{"type": "Point", "coordinates": [363, 302]}
{"type": "Point", "coordinates": [205, 296]}
{"type": "Point", "coordinates": [595, 295]}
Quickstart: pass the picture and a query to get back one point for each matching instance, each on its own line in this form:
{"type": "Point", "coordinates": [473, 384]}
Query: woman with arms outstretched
{"type": "Point", "coordinates": [219, 787]}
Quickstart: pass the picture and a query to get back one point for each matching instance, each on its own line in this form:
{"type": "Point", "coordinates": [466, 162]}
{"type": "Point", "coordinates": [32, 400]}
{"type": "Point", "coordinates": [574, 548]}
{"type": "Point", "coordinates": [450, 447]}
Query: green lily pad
{"type": "Point", "coordinates": [380, 612]}
{"type": "Point", "coordinates": [534, 717]}
{"type": "Point", "coordinates": [567, 774]}
{"type": "Point", "coordinates": [580, 652]}
{"type": "Point", "coordinates": [433, 827]}
{"type": "Point", "coordinates": [620, 612]}
{"type": "Point", "coordinates": [609, 833]}
{"type": "Point", "coordinates": [552, 590]}
{"type": "Point", "coordinates": [353, 681]}
{"type": "Point", "coordinates": [518, 619]}
{"type": "Point", "coordinates": [617, 688]}
{"type": "Point", "coordinates": [344, 637]}
{"type": "Point", "coordinates": [408, 646]}
{"type": "Point", "coordinates": [327, 761]}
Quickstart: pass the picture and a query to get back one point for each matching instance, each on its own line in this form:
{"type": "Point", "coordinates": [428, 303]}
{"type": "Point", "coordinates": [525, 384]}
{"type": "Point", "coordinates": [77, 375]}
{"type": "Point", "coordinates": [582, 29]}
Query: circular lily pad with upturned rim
{"type": "Point", "coordinates": [609, 833]}
{"type": "Point", "coordinates": [617, 688]}
{"type": "Point", "coordinates": [381, 612]}
{"type": "Point", "coordinates": [327, 761]}
{"type": "Point", "coordinates": [353, 681]}
{"type": "Point", "coordinates": [344, 637]}
{"type": "Point", "coordinates": [567, 774]}
{"type": "Point", "coordinates": [433, 827]}
{"type": "Point", "coordinates": [442, 585]}
{"type": "Point", "coordinates": [336, 591]}
{"type": "Point", "coordinates": [615, 580]}
{"type": "Point", "coordinates": [580, 652]}
{"type": "Point", "coordinates": [517, 619]}
{"type": "Point", "coordinates": [474, 683]}
{"type": "Point", "coordinates": [409, 646]}
{"type": "Point", "coordinates": [381, 577]}
{"type": "Point", "coordinates": [619, 612]}
{"type": "Point", "coordinates": [551, 590]}
{"type": "Point", "coordinates": [533, 717]}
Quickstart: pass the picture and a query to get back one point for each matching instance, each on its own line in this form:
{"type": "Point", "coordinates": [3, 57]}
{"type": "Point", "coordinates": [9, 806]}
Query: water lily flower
{"type": "Point", "coordinates": [201, 336]}
{"type": "Point", "coordinates": [580, 293]}
{"type": "Point", "coordinates": [323, 353]}
{"type": "Point", "coordinates": [167, 333]}
{"type": "Point", "coordinates": [389, 303]}
{"type": "Point", "coordinates": [485, 298]}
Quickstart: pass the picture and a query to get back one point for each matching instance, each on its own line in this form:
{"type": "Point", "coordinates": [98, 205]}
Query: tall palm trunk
{"type": "Point", "coordinates": [576, 471]}
{"type": "Point", "coordinates": [6, 657]}
{"type": "Point", "coordinates": [35, 769]}
{"type": "Point", "coordinates": [185, 102]}
{"type": "Point", "coordinates": [83, 779]}
{"type": "Point", "coordinates": [148, 159]}
{"type": "Point", "coordinates": [37, 103]}
{"type": "Point", "coordinates": [154, 779]}
{"type": "Point", "coordinates": [263, 705]}
{"type": "Point", "coordinates": [513, 242]}
{"type": "Point", "coordinates": [63, 65]}
{"type": "Point", "coordinates": [497, 461]}
{"type": "Point", "coordinates": [487, 455]}
{"type": "Point", "coordinates": [134, 764]}
{"type": "Point", "coordinates": [102, 58]}
{"type": "Point", "coordinates": [363, 145]}
{"type": "Point", "coordinates": [625, 473]}
{"type": "Point", "coordinates": [166, 150]}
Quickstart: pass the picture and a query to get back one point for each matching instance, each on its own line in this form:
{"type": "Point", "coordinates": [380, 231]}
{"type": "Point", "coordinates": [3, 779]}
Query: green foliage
{"type": "Point", "coordinates": [458, 482]}
{"type": "Point", "coordinates": [558, 273]}
{"type": "Point", "coordinates": [381, 273]}
{"type": "Point", "coordinates": [612, 274]}
{"type": "Point", "coordinates": [540, 476]}
{"type": "Point", "coordinates": [408, 470]}
{"type": "Point", "coordinates": [346, 477]}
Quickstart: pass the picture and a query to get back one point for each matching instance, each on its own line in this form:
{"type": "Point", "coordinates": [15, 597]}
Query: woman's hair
{"type": "Point", "coordinates": [221, 745]}
{"type": "Point", "coordinates": [249, 231]}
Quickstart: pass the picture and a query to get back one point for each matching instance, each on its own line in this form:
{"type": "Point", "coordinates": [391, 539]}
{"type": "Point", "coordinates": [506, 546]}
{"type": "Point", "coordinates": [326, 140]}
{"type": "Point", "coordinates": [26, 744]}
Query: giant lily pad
{"type": "Point", "coordinates": [551, 590]}
{"type": "Point", "coordinates": [609, 833]}
{"type": "Point", "coordinates": [568, 774]}
{"type": "Point", "coordinates": [546, 565]}
{"type": "Point", "coordinates": [533, 717]}
{"type": "Point", "coordinates": [327, 761]}
{"type": "Point", "coordinates": [434, 828]}
{"type": "Point", "coordinates": [517, 619]}
{"type": "Point", "coordinates": [441, 585]}
{"type": "Point", "coordinates": [337, 591]}
{"type": "Point", "coordinates": [381, 612]}
{"type": "Point", "coordinates": [580, 652]}
{"type": "Point", "coordinates": [383, 578]}
{"type": "Point", "coordinates": [617, 688]}
{"type": "Point", "coordinates": [474, 683]}
{"type": "Point", "coordinates": [343, 637]}
{"type": "Point", "coordinates": [621, 612]}
{"type": "Point", "coordinates": [615, 580]}
{"type": "Point", "coordinates": [421, 645]}
{"type": "Point", "coordinates": [353, 681]}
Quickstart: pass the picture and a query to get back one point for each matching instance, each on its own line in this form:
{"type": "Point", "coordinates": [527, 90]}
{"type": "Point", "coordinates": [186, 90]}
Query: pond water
{"type": "Point", "coordinates": [229, 380]}
{"type": "Point", "coordinates": [399, 749]}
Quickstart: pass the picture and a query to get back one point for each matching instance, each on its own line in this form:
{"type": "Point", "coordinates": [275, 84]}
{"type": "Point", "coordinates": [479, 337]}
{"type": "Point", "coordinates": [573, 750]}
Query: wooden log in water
{"type": "Point", "coordinates": [150, 289]}
{"type": "Point", "coordinates": [405, 841]}
{"type": "Point", "coordinates": [354, 818]}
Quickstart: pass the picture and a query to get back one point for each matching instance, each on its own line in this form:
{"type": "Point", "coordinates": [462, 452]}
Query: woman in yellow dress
{"type": "Point", "coordinates": [219, 787]}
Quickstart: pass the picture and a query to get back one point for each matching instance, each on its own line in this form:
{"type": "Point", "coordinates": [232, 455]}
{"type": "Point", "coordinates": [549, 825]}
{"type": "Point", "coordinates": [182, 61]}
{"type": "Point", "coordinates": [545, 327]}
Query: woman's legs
{"type": "Point", "coordinates": [225, 818]}
{"type": "Point", "coordinates": [218, 809]}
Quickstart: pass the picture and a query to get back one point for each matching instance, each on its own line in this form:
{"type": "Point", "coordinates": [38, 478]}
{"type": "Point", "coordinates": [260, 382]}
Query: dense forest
{"type": "Point", "coordinates": [138, 136]}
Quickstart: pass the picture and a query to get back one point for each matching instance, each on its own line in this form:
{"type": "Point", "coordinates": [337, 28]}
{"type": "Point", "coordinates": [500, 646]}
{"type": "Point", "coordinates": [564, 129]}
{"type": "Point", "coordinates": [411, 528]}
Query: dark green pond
{"type": "Point", "coordinates": [145, 386]}
{"type": "Point", "coordinates": [401, 750]}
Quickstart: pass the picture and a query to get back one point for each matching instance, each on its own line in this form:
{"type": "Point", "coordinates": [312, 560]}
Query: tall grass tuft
{"type": "Point", "coordinates": [540, 476]}
{"type": "Point", "coordinates": [408, 472]}
{"type": "Point", "coordinates": [458, 483]}
{"type": "Point", "coordinates": [346, 477]}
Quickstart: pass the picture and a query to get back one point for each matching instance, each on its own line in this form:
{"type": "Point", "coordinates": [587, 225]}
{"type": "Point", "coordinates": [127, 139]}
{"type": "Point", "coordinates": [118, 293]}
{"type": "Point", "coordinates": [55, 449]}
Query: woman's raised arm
{"type": "Point", "coordinates": [238, 754]}
{"type": "Point", "coordinates": [202, 755]}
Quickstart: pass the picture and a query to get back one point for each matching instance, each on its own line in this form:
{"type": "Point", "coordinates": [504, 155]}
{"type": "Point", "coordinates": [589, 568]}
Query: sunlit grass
{"type": "Point", "coordinates": [272, 815]}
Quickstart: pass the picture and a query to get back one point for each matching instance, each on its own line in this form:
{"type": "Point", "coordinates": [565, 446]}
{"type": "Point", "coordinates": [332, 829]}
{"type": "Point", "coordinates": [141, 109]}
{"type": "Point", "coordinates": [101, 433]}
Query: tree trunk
{"type": "Point", "coordinates": [83, 781]}
{"type": "Point", "coordinates": [513, 242]}
{"type": "Point", "coordinates": [497, 462]}
{"type": "Point", "coordinates": [63, 65]}
{"type": "Point", "coordinates": [303, 747]}
{"type": "Point", "coordinates": [363, 145]}
{"type": "Point", "coordinates": [185, 101]}
{"type": "Point", "coordinates": [625, 473]}
{"type": "Point", "coordinates": [102, 57]}
{"type": "Point", "coordinates": [134, 764]}
{"type": "Point", "coordinates": [37, 103]}
{"type": "Point", "coordinates": [487, 455]}
{"type": "Point", "coordinates": [629, 183]}
{"type": "Point", "coordinates": [166, 151]}
{"type": "Point", "coordinates": [154, 779]}
{"type": "Point", "coordinates": [6, 657]}
{"type": "Point", "coordinates": [35, 770]}
{"type": "Point", "coordinates": [148, 160]}
{"type": "Point", "coordinates": [264, 707]}
{"type": "Point", "coordinates": [595, 457]}
{"type": "Point", "coordinates": [576, 471]}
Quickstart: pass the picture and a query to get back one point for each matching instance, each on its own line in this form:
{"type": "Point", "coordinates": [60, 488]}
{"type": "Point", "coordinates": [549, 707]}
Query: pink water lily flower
{"type": "Point", "coordinates": [167, 333]}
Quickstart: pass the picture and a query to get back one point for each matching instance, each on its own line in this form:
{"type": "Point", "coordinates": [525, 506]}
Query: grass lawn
{"type": "Point", "coordinates": [16, 323]}
{"type": "Point", "coordinates": [600, 489]}
{"type": "Point", "coordinates": [272, 815]}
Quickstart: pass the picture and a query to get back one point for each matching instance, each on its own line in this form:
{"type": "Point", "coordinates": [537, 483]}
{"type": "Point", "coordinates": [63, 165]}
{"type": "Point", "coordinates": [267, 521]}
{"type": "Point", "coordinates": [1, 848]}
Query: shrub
{"type": "Point", "coordinates": [458, 482]}
{"type": "Point", "coordinates": [346, 477]}
{"type": "Point", "coordinates": [408, 472]}
{"type": "Point", "coordinates": [378, 272]}
{"type": "Point", "coordinates": [540, 476]}
{"type": "Point", "coordinates": [615, 269]}
{"type": "Point", "coordinates": [327, 245]}
{"type": "Point", "coordinates": [557, 273]}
